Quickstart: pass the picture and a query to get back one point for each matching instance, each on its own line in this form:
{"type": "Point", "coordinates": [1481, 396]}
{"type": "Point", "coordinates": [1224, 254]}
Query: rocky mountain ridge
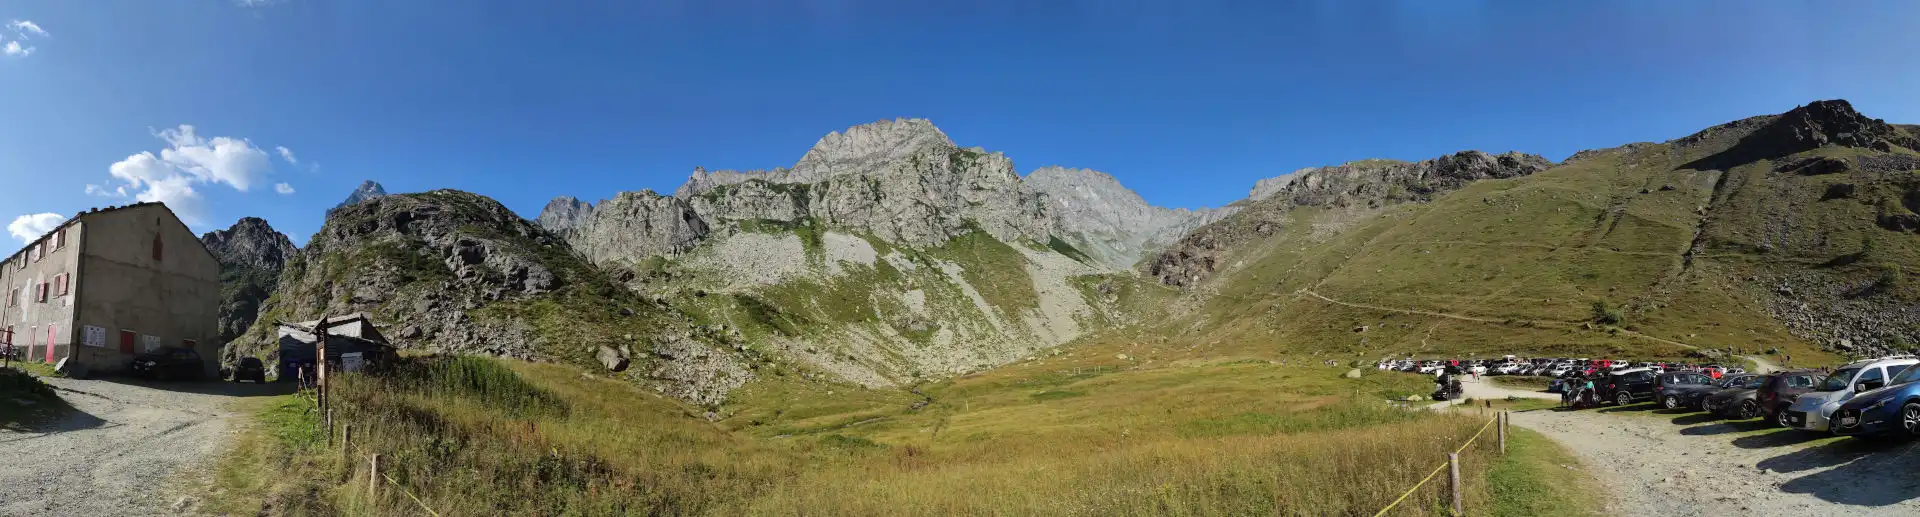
{"type": "Point", "coordinates": [1363, 184]}
{"type": "Point", "coordinates": [251, 255]}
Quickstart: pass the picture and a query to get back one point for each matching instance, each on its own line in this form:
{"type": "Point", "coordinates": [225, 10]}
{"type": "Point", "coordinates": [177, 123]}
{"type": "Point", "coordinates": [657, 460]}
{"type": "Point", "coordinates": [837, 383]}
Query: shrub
{"type": "Point", "coordinates": [1606, 314]}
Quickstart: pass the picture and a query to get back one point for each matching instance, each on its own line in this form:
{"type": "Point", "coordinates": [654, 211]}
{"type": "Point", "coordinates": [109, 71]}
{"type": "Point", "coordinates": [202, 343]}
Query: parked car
{"type": "Point", "coordinates": [250, 368]}
{"type": "Point", "coordinates": [169, 363]}
{"type": "Point", "coordinates": [1740, 401]}
{"type": "Point", "coordinates": [1782, 388]}
{"type": "Point", "coordinates": [1671, 388]}
{"type": "Point", "coordinates": [1894, 409]}
{"type": "Point", "coordinates": [1811, 411]}
{"type": "Point", "coordinates": [1624, 387]}
{"type": "Point", "coordinates": [1696, 397]}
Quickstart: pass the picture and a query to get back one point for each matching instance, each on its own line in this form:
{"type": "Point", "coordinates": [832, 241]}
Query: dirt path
{"type": "Point", "coordinates": [1673, 465]}
{"type": "Point", "coordinates": [121, 451]}
{"type": "Point", "coordinates": [1760, 364]}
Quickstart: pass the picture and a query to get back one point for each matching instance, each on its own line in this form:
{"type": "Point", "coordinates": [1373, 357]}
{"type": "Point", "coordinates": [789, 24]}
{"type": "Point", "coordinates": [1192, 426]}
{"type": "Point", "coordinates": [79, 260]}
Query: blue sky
{"type": "Point", "coordinates": [1187, 102]}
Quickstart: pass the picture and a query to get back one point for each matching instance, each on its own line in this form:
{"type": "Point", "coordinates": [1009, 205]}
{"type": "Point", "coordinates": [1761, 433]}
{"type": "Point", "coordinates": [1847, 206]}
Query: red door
{"type": "Point", "coordinates": [126, 342]}
{"type": "Point", "coordinates": [50, 335]}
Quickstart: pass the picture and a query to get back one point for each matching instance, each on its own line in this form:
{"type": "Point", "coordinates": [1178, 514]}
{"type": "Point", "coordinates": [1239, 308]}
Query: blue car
{"type": "Point", "coordinates": [1894, 409]}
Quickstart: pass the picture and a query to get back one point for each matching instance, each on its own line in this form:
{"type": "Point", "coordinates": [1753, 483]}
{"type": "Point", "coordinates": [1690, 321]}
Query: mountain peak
{"type": "Point", "coordinates": [368, 189]}
{"type": "Point", "coordinates": [563, 213]}
{"type": "Point", "coordinates": [865, 147]}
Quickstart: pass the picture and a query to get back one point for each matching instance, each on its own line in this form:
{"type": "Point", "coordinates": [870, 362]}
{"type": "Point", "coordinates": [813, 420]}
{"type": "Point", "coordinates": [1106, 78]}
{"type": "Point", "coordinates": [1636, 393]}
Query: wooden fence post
{"type": "Point", "coordinates": [329, 427]}
{"type": "Point", "coordinates": [373, 480]}
{"type": "Point", "coordinates": [1503, 432]}
{"type": "Point", "coordinates": [1453, 477]}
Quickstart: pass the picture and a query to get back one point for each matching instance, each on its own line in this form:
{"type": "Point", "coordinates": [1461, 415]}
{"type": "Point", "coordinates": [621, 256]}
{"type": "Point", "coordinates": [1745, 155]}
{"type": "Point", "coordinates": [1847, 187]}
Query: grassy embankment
{"type": "Point", "coordinates": [1076, 434]}
{"type": "Point", "coordinates": [24, 400]}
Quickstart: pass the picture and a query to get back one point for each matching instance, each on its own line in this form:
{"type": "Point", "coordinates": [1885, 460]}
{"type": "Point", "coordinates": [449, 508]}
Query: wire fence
{"type": "Point", "coordinates": [1451, 461]}
{"type": "Point", "coordinates": [403, 490]}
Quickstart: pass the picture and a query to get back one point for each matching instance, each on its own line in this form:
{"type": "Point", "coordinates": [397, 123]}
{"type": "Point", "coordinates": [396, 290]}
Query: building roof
{"type": "Point", "coordinates": [96, 211]}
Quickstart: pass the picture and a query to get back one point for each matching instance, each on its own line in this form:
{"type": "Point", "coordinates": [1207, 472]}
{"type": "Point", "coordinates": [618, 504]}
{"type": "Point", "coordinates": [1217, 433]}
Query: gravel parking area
{"type": "Point", "coordinates": [1656, 462]}
{"type": "Point", "coordinates": [122, 451]}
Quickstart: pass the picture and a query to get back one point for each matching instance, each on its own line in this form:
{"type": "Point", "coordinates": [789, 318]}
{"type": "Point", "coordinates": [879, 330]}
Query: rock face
{"type": "Point", "coordinates": [902, 181]}
{"type": "Point", "coordinates": [456, 272]}
{"type": "Point", "coordinates": [1361, 184]}
{"type": "Point", "coordinates": [636, 225]}
{"type": "Point", "coordinates": [1109, 222]}
{"type": "Point", "coordinates": [251, 256]}
{"type": "Point", "coordinates": [1267, 187]}
{"type": "Point", "coordinates": [368, 190]}
{"type": "Point", "coordinates": [563, 213]}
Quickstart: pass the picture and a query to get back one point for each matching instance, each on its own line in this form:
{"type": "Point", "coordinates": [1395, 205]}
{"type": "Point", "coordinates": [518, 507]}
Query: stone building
{"type": "Point", "coordinates": [111, 283]}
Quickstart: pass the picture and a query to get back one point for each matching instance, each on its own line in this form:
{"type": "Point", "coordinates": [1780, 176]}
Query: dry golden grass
{"type": "Point", "coordinates": [1122, 437]}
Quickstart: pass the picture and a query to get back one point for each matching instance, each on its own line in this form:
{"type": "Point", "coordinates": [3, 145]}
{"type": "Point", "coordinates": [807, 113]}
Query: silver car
{"type": "Point", "coordinates": [1812, 410]}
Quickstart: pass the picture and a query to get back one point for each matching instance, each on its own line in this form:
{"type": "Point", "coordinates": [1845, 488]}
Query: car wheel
{"type": "Point", "coordinates": [1623, 399]}
{"type": "Point", "coordinates": [1780, 417]}
{"type": "Point", "coordinates": [1749, 410]}
{"type": "Point", "coordinates": [1910, 418]}
{"type": "Point", "coordinates": [1671, 402]}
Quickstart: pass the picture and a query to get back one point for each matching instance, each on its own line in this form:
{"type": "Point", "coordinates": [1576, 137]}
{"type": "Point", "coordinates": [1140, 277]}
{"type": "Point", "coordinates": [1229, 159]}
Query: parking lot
{"type": "Point", "coordinates": [1682, 461]}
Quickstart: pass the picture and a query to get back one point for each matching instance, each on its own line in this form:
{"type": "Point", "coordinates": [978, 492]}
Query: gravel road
{"type": "Point", "coordinates": [122, 451]}
{"type": "Point", "coordinates": [1674, 465]}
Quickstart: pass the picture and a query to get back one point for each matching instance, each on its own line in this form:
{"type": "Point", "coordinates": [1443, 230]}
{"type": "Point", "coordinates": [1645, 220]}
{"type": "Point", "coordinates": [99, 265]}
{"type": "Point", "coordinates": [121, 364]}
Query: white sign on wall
{"type": "Point", "coordinates": [93, 336]}
{"type": "Point", "coordinates": [149, 343]}
{"type": "Point", "coordinates": [351, 362]}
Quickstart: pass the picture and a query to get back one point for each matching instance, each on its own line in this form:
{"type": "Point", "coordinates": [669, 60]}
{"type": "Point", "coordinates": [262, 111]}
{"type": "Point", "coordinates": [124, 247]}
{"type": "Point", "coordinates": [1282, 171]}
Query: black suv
{"type": "Point", "coordinates": [1672, 389]}
{"type": "Point", "coordinates": [250, 369]}
{"type": "Point", "coordinates": [1624, 387]}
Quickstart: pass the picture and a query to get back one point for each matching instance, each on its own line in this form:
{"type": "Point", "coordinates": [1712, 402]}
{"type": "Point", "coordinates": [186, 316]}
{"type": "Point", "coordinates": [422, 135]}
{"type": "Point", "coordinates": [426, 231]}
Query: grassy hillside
{"type": "Point", "coordinates": [1678, 252]}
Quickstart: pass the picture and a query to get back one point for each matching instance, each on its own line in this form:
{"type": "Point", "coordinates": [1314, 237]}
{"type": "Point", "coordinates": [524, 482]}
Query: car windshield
{"type": "Point", "coordinates": [1838, 381]}
{"type": "Point", "coordinates": [1754, 383]}
{"type": "Point", "coordinates": [1912, 374]}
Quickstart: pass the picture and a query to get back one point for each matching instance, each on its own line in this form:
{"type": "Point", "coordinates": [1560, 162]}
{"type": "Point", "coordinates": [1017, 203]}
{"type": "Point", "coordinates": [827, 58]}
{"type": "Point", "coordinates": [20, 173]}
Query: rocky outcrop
{"type": "Point", "coordinates": [1817, 124]}
{"type": "Point", "coordinates": [635, 225]}
{"type": "Point", "coordinates": [251, 256]}
{"type": "Point", "coordinates": [1107, 221]}
{"type": "Point", "coordinates": [1362, 184]}
{"type": "Point", "coordinates": [902, 181]}
{"type": "Point", "coordinates": [563, 213]}
{"type": "Point", "coordinates": [1267, 187]}
{"type": "Point", "coordinates": [367, 190]}
{"type": "Point", "coordinates": [456, 272]}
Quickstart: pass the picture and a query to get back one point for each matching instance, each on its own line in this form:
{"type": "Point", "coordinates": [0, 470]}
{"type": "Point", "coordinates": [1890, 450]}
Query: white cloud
{"type": "Point", "coordinates": [178, 194]}
{"type": "Point", "coordinates": [170, 176]}
{"type": "Point", "coordinates": [32, 226]}
{"type": "Point", "coordinates": [220, 159]}
{"type": "Point", "coordinates": [26, 27]}
{"type": "Point", "coordinates": [287, 154]}
{"type": "Point", "coordinates": [96, 190]}
{"type": "Point", "coordinates": [13, 48]}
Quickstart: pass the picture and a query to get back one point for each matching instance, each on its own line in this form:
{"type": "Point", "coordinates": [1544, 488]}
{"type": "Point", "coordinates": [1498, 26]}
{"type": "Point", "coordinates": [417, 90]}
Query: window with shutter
{"type": "Point", "coordinates": [40, 293]}
{"type": "Point", "coordinates": [156, 247]}
{"type": "Point", "coordinates": [43, 291]}
{"type": "Point", "coordinates": [60, 283]}
{"type": "Point", "coordinates": [60, 239]}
